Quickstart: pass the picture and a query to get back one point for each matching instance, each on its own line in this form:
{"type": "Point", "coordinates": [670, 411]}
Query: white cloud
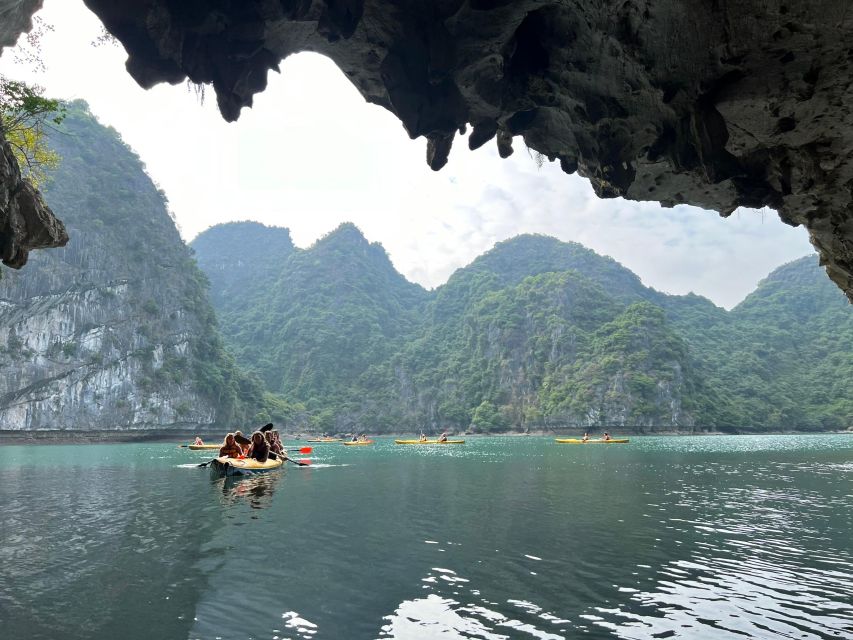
{"type": "Point", "coordinates": [312, 154]}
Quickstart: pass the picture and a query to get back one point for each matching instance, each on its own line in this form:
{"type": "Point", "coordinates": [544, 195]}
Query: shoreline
{"type": "Point", "coordinates": [65, 436]}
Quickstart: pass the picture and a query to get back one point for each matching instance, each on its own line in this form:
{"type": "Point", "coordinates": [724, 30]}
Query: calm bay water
{"type": "Point", "coordinates": [705, 537]}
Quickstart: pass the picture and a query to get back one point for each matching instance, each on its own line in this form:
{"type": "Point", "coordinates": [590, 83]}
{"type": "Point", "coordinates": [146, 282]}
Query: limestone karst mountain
{"type": "Point", "coordinates": [535, 333]}
{"type": "Point", "coordinates": [115, 330]}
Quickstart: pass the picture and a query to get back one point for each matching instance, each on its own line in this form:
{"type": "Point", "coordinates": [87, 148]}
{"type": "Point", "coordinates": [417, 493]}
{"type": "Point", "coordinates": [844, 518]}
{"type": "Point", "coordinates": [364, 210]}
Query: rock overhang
{"type": "Point", "coordinates": [713, 104]}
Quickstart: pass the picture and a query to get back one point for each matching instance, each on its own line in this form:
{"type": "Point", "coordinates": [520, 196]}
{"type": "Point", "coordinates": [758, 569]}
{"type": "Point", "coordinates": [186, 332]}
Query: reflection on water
{"type": "Point", "coordinates": [453, 609]}
{"type": "Point", "coordinates": [256, 490]}
{"type": "Point", "coordinates": [761, 565]}
{"type": "Point", "coordinates": [716, 538]}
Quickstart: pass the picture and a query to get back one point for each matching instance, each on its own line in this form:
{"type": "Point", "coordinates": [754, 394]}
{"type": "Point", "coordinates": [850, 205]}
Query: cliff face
{"type": "Point", "coordinates": [715, 104]}
{"type": "Point", "coordinates": [114, 330]}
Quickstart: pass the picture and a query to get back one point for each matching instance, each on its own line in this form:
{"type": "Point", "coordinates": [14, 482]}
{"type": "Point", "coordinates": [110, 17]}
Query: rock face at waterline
{"type": "Point", "coordinates": [715, 104]}
{"type": "Point", "coordinates": [114, 330]}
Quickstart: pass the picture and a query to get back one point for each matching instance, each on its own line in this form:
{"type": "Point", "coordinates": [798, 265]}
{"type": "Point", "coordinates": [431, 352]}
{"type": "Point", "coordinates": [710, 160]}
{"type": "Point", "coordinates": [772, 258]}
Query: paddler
{"type": "Point", "coordinates": [606, 436]}
{"type": "Point", "coordinates": [443, 437]}
{"type": "Point", "coordinates": [259, 449]}
{"type": "Point", "coordinates": [230, 449]}
{"type": "Point", "coordinates": [198, 441]}
{"type": "Point", "coordinates": [585, 437]}
{"type": "Point", "coordinates": [423, 438]}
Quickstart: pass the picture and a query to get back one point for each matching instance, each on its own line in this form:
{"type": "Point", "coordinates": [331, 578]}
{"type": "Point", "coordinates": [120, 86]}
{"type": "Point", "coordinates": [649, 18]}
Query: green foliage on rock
{"type": "Point", "coordinates": [537, 333]}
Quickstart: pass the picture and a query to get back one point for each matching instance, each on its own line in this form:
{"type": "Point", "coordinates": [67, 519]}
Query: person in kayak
{"type": "Point", "coordinates": [277, 446]}
{"type": "Point", "coordinates": [198, 441]}
{"type": "Point", "coordinates": [274, 444]}
{"type": "Point", "coordinates": [354, 438]}
{"type": "Point", "coordinates": [423, 438]}
{"type": "Point", "coordinates": [230, 448]}
{"type": "Point", "coordinates": [259, 449]}
{"type": "Point", "coordinates": [443, 437]}
{"type": "Point", "coordinates": [606, 436]}
{"type": "Point", "coordinates": [585, 437]}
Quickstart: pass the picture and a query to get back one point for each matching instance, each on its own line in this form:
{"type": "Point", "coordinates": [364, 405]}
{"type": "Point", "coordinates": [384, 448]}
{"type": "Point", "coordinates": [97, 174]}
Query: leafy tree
{"type": "Point", "coordinates": [25, 115]}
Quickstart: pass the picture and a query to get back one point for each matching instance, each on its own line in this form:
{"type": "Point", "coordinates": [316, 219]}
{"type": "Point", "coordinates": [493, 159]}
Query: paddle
{"type": "Point", "coordinates": [301, 463]}
{"type": "Point", "coordinates": [302, 450]}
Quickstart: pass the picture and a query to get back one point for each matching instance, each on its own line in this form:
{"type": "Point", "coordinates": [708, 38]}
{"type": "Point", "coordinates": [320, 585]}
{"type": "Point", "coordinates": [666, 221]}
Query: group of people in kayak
{"type": "Point", "coordinates": [605, 437]}
{"type": "Point", "coordinates": [261, 446]}
{"type": "Point", "coordinates": [441, 438]}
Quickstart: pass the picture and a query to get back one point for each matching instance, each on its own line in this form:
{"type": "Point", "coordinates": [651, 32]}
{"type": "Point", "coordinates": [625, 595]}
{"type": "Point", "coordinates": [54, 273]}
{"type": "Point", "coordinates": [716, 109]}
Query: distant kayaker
{"type": "Point", "coordinates": [423, 438]}
{"type": "Point", "coordinates": [606, 436]}
{"type": "Point", "coordinates": [354, 438]}
{"type": "Point", "coordinates": [585, 437]}
{"type": "Point", "coordinates": [443, 437]}
{"type": "Point", "coordinates": [259, 449]}
{"type": "Point", "coordinates": [198, 441]}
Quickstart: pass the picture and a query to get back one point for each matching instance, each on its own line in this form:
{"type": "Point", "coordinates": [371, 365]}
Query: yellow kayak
{"type": "Point", "coordinates": [429, 442]}
{"type": "Point", "coordinates": [242, 466]}
{"type": "Point", "coordinates": [199, 447]}
{"type": "Point", "coordinates": [597, 441]}
{"type": "Point", "coordinates": [359, 443]}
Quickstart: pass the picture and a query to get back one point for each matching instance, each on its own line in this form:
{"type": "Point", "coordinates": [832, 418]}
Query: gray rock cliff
{"type": "Point", "coordinates": [114, 330]}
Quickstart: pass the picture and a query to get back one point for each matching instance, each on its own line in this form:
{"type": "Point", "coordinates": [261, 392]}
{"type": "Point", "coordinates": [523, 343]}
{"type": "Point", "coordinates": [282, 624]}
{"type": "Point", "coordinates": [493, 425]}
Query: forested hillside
{"type": "Point", "coordinates": [115, 330]}
{"type": "Point", "coordinates": [538, 333]}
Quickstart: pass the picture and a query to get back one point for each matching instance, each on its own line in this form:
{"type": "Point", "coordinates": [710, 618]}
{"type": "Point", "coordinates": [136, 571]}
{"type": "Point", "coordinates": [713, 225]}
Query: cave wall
{"type": "Point", "coordinates": [706, 102]}
{"type": "Point", "coordinates": [26, 222]}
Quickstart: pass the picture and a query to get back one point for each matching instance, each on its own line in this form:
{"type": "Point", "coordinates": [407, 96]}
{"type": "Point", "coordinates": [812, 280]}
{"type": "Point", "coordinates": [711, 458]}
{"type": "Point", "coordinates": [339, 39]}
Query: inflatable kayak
{"type": "Point", "coordinates": [597, 441]}
{"type": "Point", "coordinates": [360, 443]}
{"type": "Point", "coordinates": [199, 447]}
{"type": "Point", "coordinates": [429, 442]}
{"type": "Point", "coordinates": [242, 466]}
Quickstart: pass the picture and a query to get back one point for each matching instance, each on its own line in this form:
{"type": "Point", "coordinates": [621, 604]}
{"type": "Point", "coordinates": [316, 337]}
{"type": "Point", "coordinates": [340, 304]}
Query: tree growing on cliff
{"type": "Point", "coordinates": [25, 114]}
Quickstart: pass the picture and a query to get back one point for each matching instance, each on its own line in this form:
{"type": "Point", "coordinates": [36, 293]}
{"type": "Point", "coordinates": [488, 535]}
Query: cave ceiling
{"type": "Point", "coordinates": [713, 103]}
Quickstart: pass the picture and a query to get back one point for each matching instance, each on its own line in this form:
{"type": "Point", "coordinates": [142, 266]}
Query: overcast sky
{"type": "Point", "coordinates": [312, 153]}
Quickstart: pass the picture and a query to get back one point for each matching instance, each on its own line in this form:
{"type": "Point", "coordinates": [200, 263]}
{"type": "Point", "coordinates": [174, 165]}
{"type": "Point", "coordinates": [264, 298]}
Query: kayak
{"type": "Point", "coordinates": [360, 443]}
{"type": "Point", "coordinates": [598, 441]}
{"type": "Point", "coordinates": [429, 442]}
{"type": "Point", "coordinates": [242, 466]}
{"type": "Point", "coordinates": [326, 440]}
{"type": "Point", "coordinates": [199, 447]}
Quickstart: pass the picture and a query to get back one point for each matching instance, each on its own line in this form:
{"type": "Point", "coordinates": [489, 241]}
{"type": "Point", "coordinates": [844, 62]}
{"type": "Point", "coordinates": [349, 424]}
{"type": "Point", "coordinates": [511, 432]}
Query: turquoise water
{"type": "Point", "coordinates": [705, 537]}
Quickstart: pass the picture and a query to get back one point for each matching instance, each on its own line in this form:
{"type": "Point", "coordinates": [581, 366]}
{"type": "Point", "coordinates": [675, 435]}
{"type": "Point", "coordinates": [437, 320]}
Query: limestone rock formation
{"type": "Point", "coordinates": [715, 104]}
{"type": "Point", "coordinates": [113, 331]}
{"type": "Point", "coordinates": [26, 222]}
{"type": "Point", "coordinates": [15, 18]}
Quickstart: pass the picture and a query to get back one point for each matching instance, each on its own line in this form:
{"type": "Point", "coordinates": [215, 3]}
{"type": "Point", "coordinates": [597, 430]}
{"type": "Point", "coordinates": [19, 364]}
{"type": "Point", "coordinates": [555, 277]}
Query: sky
{"type": "Point", "coordinates": [312, 153]}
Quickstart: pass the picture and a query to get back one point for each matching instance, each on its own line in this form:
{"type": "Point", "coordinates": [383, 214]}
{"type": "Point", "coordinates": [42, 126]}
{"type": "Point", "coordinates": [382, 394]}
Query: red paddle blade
{"type": "Point", "coordinates": [305, 450]}
{"type": "Point", "coordinates": [304, 461]}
